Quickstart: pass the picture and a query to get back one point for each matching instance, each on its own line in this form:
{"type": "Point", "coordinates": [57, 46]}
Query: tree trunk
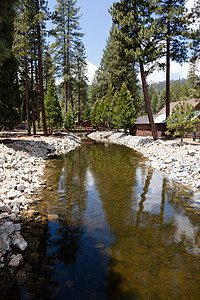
{"type": "Point", "coordinates": [32, 99]}
{"type": "Point", "coordinates": [40, 73]}
{"type": "Point", "coordinates": [168, 74]}
{"type": "Point", "coordinates": [181, 139]}
{"type": "Point", "coordinates": [36, 86]}
{"type": "Point", "coordinates": [65, 80]}
{"type": "Point", "coordinates": [72, 100]}
{"type": "Point", "coordinates": [79, 104]}
{"type": "Point", "coordinates": [27, 97]}
{"type": "Point", "coordinates": [147, 103]}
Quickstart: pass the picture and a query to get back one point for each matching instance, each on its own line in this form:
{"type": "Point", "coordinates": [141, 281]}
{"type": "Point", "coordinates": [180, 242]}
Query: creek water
{"type": "Point", "coordinates": [110, 227]}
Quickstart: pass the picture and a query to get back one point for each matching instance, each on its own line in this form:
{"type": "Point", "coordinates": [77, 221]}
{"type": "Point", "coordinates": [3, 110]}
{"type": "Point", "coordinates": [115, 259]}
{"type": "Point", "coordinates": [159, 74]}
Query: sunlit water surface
{"type": "Point", "coordinates": [109, 227]}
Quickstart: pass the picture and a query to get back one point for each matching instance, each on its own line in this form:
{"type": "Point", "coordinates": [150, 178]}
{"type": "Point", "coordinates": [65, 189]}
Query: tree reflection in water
{"type": "Point", "coordinates": [109, 227]}
{"type": "Point", "coordinates": [147, 261]}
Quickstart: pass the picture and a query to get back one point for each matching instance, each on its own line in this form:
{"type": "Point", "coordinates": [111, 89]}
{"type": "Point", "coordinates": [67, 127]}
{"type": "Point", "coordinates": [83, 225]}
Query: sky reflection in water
{"type": "Point", "coordinates": [123, 231]}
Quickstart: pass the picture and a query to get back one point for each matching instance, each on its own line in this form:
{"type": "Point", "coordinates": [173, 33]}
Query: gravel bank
{"type": "Point", "coordinates": [180, 163]}
{"type": "Point", "coordinates": [21, 168]}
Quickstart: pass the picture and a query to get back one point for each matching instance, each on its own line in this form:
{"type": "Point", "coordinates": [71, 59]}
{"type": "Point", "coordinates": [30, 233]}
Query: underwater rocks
{"type": "Point", "coordinates": [180, 163]}
{"type": "Point", "coordinates": [21, 170]}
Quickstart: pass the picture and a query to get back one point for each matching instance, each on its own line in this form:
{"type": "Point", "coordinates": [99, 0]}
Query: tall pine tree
{"type": "Point", "coordinates": [134, 30]}
{"type": "Point", "coordinates": [67, 34]}
{"type": "Point", "coordinates": [173, 21]}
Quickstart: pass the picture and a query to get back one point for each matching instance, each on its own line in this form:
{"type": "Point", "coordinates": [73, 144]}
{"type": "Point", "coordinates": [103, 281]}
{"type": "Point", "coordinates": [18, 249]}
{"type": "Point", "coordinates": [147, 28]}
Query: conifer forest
{"type": "Point", "coordinates": [145, 36]}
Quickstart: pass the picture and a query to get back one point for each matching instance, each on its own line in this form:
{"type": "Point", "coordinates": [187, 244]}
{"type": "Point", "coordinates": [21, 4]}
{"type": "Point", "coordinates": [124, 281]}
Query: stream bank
{"type": "Point", "coordinates": [179, 162]}
{"type": "Point", "coordinates": [22, 161]}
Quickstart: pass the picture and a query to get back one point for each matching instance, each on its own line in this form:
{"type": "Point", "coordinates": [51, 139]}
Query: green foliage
{"type": "Point", "coordinates": [153, 98]}
{"type": "Point", "coordinates": [68, 50]}
{"type": "Point", "coordinates": [52, 108]}
{"type": "Point", "coordinates": [173, 21]}
{"type": "Point", "coordinates": [193, 80]}
{"type": "Point", "coordinates": [49, 68]}
{"type": "Point", "coordinates": [182, 120]}
{"type": "Point", "coordinates": [87, 112]}
{"type": "Point", "coordinates": [9, 91]}
{"type": "Point", "coordinates": [115, 110]}
{"type": "Point", "coordinates": [6, 28]}
{"type": "Point", "coordinates": [94, 114]}
{"type": "Point", "coordinates": [124, 111]}
{"type": "Point", "coordinates": [136, 31]}
{"type": "Point", "coordinates": [10, 99]}
{"type": "Point", "coordinates": [108, 107]}
{"type": "Point", "coordinates": [68, 122]}
{"type": "Point", "coordinates": [114, 70]}
{"type": "Point", "coordinates": [161, 100]}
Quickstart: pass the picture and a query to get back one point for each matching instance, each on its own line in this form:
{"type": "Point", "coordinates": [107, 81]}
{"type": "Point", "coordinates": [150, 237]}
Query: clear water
{"type": "Point", "coordinates": [109, 227]}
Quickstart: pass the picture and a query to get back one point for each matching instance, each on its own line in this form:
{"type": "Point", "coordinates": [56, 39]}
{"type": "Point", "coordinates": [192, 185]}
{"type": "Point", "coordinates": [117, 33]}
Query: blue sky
{"type": "Point", "coordinates": [95, 24]}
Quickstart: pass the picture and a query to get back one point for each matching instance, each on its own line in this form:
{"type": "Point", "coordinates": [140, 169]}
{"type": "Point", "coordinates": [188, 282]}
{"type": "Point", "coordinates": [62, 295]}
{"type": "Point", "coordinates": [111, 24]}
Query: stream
{"type": "Point", "coordinates": [108, 227]}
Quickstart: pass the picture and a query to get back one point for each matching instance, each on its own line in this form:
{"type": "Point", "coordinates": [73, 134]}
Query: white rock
{"type": "Point", "coordinates": [15, 260]}
{"type": "Point", "coordinates": [19, 241]}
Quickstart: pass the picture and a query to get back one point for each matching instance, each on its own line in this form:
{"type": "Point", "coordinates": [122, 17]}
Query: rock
{"type": "Point", "coordinates": [183, 174]}
{"type": "Point", "coordinates": [15, 260]}
{"type": "Point", "coordinates": [169, 160]}
{"type": "Point", "coordinates": [21, 187]}
{"type": "Point", "coordinates": [5, 242]}
{"type": "Point", "coordinates": [52, 217]}
{"type": "Point", "coordinates": [191, 152]}
{"type": "Point", "coordinates": [2, 161]}
{"type": "Point", "coordinates": [197, 184]}
{"type": "Point", "coordinates": [12, 228]}
{"type": "Point", "coordinates": [12, 217]}
{"type": "Point", "coordinates": [4, 216]}
{"type": "Point", "coordinates": [24, 275]}
{"type": "Point", "coordinates": [15, 210]}
{"type": "Point", "coordinates": [11, 195]}
{"type": "Point", "coordinates": [19, 241]}
{"type": "Point", "coordinates": [5, 208]}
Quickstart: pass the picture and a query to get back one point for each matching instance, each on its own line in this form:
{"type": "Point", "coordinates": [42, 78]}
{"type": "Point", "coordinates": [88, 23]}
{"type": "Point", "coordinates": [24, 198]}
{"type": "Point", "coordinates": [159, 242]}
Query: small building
{"type": "Point", "coordinates": [142, 126]}
{"type": "Point", "coordinates": [193, 101]}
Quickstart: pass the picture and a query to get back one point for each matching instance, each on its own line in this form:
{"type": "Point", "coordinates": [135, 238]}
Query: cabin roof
{"type": "Point", "coordinates": [192, 101]}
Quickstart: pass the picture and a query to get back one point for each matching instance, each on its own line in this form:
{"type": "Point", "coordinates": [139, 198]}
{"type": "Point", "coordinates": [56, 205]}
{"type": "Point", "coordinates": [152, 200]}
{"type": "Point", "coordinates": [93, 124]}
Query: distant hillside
{"type": "Point", "coordinates": [161, 84]}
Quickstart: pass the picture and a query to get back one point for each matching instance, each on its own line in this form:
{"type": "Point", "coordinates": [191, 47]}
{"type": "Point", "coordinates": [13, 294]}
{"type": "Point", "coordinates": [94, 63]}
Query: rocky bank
{"type": "Point", "coordinates": [21, 169]}
{"type": "Point", "coordinates": [180, 163]}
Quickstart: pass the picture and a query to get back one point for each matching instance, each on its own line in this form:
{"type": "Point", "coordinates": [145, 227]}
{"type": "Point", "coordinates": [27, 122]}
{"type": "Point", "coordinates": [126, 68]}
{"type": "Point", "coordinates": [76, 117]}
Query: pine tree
{"type": "Point", "coordinates": [108, 108]}
{"type": "Point", "coordinates": [194, 34]}
{"type": "Point", "coordinates": [133, 30]}
{"type": "Point", "coordinates": [124, 111]}
{"type": "Point", "coordinates": [49, 68]}
{"type": "Point", "coordinates": [87, 113]}
{"type": "Point", "coordinates": [114, 70]}
{"type": "Point", "coordinates": [68, 122]}
{"type": "Point", "coordinates": [23, 25]}
{"type": "Point", "coordinates": [182, 120]}
{"type": "Point", "coordinates": [40, 66]}
{"type": "Point", "coordinates": [193, 80]}
{"type": "Point", "coordinates": [52, 108]}
{"type": "Point", "coordinates": [6, 28]}
{"type": "Point", "coordinates": [161, 100]}
{"type": "Point", "coordinates": [173, 21]}
{"type": "Point", "coordinates": [79, 73]}
{"type": "Point", "coordinates": [67, 34]}
{"type": "Point", "coordinates": [10, 99]}
{"type": "Point", "coordinates": [153, 97]}
{"type": "Point", "coordinates": [94, 114]}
